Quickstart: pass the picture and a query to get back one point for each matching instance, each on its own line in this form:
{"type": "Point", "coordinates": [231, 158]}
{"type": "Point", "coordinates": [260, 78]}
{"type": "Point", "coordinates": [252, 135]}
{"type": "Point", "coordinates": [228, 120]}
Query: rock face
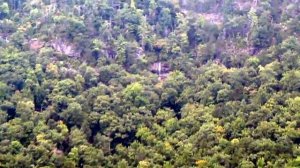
{"type": "Point", "coordinates": [59, 45]}
{"type": "Point", "coordinates": [4, 37]}
{"type": "Point", "coordinates": [213, 18]}
{"type": "Point", "coordinates": [35, 44]}
{"type": "Point", "coordinates": [65, 48]}
{"type": "Point", "coordinates": [243, 5]}
{"type": "Point", "coordinates": [140, 53]}
{"type": "Point", "coordinates": [162, 69]}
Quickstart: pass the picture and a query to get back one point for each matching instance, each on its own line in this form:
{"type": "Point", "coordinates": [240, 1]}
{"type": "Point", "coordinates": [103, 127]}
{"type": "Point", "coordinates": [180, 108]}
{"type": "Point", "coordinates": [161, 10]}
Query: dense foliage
{"type": "Point", "coordinates": [77, 88]}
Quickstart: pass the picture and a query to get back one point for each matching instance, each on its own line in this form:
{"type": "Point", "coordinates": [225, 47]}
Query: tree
{"type": "Point", "coordinates": [73, 115]}
{"type": "Point", "coordinates": [77, 138]}
{"type": "Point", "coordinates": [25, 110]}
{"type": "Point", "coordinates": [4, 10]}
{"type": "Point", "coordinates": [134, 93]}
{"type": "Point", "coordinates": [294, 163]}
{"type": "Point", "coordinates": [290, 80]}
{"type": "Point", "coordinates": [165, 21]}
{"type": "Point", "coordinates": [66, 87]}
{"type": "Point", "coordinates": [4, 91]}
{"type": "Point", "coordinates": [262, 32]}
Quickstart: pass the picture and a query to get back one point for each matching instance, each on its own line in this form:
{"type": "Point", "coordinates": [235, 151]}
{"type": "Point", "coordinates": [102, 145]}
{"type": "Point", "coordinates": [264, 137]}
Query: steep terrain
{"type": "Point", "coordinates": [149, 83]}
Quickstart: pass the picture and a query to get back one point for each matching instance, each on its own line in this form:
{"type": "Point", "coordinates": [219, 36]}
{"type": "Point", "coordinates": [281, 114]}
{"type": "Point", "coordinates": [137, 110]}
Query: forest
{"type": "Point", "coordinates": [150, 83]}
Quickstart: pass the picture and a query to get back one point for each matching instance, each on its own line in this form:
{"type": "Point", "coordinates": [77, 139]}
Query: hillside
{"type": "Point", "coordinates": [149, 83]}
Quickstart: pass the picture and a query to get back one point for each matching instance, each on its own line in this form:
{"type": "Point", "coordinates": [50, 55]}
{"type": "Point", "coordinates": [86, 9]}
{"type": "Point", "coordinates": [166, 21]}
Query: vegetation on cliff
{"type": "Point", "coordinates": [149, 83]}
